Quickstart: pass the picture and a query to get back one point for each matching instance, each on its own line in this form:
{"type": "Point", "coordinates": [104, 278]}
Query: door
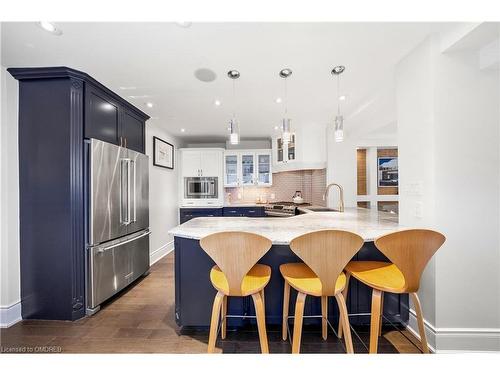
{"type": "Point", "coordinates": [101, 116]}
{"type": "Point", "coordinates": [210, 163]}
{"type": "Point", "coordinates": [191, 163]}
{"type": "Point", "coordinates": [132, 131]}
{"type": "Point", "coordinates": [139, 191]}
{"type": "Point", "coordinates": [264, 176]}
{"type": "Point", "coordinates": [247, 168]}
{"type": "Point", "coordinates": [231, 169]}
{"type": "Point", "coordinates": [114, 265]}
{"type": "Point", "coordinates": [108, 192]}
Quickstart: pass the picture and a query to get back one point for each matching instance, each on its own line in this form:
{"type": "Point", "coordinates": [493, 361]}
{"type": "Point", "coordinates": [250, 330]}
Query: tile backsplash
{"type": "Point", "coordinates": [310, 182]}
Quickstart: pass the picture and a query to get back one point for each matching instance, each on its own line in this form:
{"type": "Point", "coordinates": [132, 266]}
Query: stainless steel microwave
{"type": "Point", "coordinates": [200, 188]}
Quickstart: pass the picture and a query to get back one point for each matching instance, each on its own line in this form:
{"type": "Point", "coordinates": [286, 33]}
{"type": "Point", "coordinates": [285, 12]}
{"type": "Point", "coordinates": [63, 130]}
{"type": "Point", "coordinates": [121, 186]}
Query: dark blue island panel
{"type": "Point", "coordinates": [186, 214]}
{"type": "Point", "coordinates": [194, 293]}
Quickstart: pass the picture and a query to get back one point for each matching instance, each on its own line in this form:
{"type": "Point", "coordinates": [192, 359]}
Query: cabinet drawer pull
{"type": "Point", "coordinates": [251, 211]}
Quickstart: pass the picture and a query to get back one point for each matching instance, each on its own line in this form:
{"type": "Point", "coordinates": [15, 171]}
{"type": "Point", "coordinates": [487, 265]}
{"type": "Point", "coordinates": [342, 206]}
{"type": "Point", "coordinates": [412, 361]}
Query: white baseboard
{"type": "Point", "coordinates": [10, 315]}
{"type": "Point", "coordinates": [159, 253]}
{"type": "Point", "coordinates": [457, 340]}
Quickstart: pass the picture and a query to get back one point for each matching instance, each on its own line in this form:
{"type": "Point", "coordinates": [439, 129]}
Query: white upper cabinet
{"type": "Point", "coordinates": [247, 168]}
{"type": "Point", "coordinates": [191, 163]}
{"type": "Point", "coordinates": [211, 163]}
{"type": "Point", "coordinates": [285, 152]}
{"type": "Point", "coordinates": [201, 162]}
{"type": "Point", "coordinates": [231, 169]}
{"type": "Point", "coordinates": [306, 150]}
{"type": "Point", "coordinates": [264, 168]}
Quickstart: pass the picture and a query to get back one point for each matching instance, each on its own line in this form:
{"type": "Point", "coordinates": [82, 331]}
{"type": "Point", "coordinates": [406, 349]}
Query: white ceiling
{"type": "Point", "coordinates": [159, 60]}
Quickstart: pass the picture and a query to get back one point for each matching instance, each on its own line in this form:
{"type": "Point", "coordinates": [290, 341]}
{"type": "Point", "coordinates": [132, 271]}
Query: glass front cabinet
{"type": "Point", "coordinates": [247, 168]}
{"type": "Point", "coordinates": [285, 152]}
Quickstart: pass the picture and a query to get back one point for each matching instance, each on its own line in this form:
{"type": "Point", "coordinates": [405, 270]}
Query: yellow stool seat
{"type": "Point", "coordinates": [253, 282]}
{"type": "Point", "coordinates": [383, 276]}
{"type": "Point", "coordinates": [303, 279]}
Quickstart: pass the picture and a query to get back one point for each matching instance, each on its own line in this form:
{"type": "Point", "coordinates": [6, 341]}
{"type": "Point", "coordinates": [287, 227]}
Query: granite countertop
{"type": "Point", "coordinates": [369, 224]}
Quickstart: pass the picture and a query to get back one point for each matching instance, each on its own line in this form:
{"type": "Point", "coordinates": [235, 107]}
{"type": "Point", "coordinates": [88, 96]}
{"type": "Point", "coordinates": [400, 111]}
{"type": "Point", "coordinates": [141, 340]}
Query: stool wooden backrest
{"type": "Point", "coordinates": [235, 253]}
{"type": "Point", "coordinates": [327, 252]}
{"type": "Point", "coordinates": [410, 250]}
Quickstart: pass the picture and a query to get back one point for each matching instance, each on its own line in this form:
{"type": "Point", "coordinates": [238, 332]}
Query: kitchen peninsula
{"type": "Point", "coordinates": [194, 293]}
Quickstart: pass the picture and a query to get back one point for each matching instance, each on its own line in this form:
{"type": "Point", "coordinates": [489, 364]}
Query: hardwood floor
{"type": "Point", "coordinates": [141, 320]}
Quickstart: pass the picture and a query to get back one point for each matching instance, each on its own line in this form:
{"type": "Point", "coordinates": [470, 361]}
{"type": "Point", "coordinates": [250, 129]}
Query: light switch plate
{"type": "Point", "coordinates": [419, 210]}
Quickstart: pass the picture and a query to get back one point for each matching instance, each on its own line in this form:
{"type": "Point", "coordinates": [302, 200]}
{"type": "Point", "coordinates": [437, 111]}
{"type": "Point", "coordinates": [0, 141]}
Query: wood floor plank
{"type": "Point", "coordinates": [140, 319]}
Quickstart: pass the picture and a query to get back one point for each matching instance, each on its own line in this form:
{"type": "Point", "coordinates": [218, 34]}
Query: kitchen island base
{"type": "Point", "coordinates": [194, 293]}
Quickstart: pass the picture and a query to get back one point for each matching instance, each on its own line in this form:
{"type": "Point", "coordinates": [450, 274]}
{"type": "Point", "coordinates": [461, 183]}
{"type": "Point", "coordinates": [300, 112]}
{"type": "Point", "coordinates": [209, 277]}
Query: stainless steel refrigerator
{"type": "Point", "coordinates": [118, 220]}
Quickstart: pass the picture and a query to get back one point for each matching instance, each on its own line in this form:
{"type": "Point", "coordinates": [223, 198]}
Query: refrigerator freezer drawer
{"type": "Point", "coordinates": [116, 264]}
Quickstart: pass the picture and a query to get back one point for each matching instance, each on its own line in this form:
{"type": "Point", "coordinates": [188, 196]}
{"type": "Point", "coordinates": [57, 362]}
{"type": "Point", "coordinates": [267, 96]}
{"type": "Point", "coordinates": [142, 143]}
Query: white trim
{"type": "Point", "coordinates": [457, 340]}
{"type": "Point", "coordinates": [159, 253]}
{"type": "Point", "coordinates": [10, 315]}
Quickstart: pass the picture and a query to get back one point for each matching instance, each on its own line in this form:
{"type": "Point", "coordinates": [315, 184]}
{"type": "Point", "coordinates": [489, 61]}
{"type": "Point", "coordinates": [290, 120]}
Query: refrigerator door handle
{"type": "Point", "coordinates": [128, 191]}
{"type": "Point", "coordinates": [125, 221]}
{"type": "Point", "coordinates": [103, 249]}
{"type": "Point", "coordinates": [134, 217]}
{"type": "Point", "coordinates": [121, 191]}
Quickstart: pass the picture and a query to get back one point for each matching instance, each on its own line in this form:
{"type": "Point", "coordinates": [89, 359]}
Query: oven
{"type": "Point", "coordinates": [282, 209]}
{"type": "Point", "coordinates": [200, 188]}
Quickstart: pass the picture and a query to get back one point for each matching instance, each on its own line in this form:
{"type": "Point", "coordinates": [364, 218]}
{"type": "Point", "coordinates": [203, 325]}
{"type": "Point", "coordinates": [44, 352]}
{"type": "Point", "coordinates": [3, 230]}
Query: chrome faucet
{"type": "Point", "coordinates": [341, 195]}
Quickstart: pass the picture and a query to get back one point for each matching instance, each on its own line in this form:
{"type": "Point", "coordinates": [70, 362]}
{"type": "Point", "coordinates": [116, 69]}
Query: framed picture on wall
{"type": "Point", "coordinates": [387, 171]}
{"type": "Point", "coordinates": [163, 153]}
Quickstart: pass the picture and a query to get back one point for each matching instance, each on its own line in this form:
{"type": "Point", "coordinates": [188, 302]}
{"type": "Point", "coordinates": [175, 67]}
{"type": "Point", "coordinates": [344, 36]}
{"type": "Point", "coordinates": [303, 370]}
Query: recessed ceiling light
{"type": "Point", "coordinates": [205, 75]}
{"type": "Point", "coordinates": [50, 27]}
{"type": "Point", "coordinates": [127, 87]}
{"type": "Point", "coordinates": [184, 24]}
{"type": "Point", "coordinates": [217, 102]}
{"type": "Point", "coordinates": [276, 127]}
{"type": "Point", "coordinates": [342, 97]}
{"type": "Point", "coordinates": [183, 130]}
{"type": "Point", "coordinates": [149, 104]}
{"type": "Point", "coordinates": [278, 100]}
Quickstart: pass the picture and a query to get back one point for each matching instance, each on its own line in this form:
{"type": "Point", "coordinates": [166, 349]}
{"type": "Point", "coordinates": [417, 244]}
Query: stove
{"type": "Point", "coordinates": [283, 209]}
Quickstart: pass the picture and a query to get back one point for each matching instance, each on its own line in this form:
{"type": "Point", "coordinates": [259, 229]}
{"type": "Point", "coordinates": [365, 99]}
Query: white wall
{"type": "Point", "coordinates": [163, 195]}
{"type": "Point", "coordinates": [448, 128]}
{"type": "Point", "coordinates": [10, 309]}
{"type": "Point", "coordinates": [414, 102]}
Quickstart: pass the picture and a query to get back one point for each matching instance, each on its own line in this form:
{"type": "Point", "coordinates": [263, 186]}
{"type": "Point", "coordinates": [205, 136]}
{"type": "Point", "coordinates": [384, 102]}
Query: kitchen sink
{"type": "Point", "coordinates": [322, 209]}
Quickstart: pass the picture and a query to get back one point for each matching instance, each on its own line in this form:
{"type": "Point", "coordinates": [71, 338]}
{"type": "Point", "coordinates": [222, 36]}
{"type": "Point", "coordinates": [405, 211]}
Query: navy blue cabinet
{"type": "Point", "coordinates": [58, 108]}
{"type": "Point", "coordinates": [113, 120]}
{"type": "Point", "coordinates": [257, 211]}
{"type": "Point", "coordinates": [187, 214]}
{"type": "Point", "coordinates": [102, 115]}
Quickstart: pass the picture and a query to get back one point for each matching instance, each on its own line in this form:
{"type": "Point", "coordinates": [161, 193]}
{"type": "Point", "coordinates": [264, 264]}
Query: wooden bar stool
{"type": "Point", "coordinates": [236, 274]}
{"type": "Point", "coordinates": [409, 251]}
{"type": "Point", "coordinates": [325, 254]}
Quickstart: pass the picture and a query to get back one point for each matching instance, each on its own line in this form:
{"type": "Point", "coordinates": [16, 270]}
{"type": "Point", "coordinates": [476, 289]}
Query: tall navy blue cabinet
{"type": "Point", "coordinates": [58, 108]}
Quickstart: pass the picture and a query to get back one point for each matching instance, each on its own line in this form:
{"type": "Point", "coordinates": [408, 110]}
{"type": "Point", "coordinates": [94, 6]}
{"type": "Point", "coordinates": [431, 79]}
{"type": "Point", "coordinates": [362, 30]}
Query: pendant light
{"type": "Point", "coordinates": [286, 123]}
{"type": "Point", "coordinates": [234, 127]}
{"type": "Point", "coordinates": [339, 119]}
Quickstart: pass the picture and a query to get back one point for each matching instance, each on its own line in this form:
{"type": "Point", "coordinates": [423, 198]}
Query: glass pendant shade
{"type": "Point", "coordinates": [339, 128]}
{"type": "Point", "coordinates": [286, 126]}
{"type": "Point", "coordinates": [234, 134]}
